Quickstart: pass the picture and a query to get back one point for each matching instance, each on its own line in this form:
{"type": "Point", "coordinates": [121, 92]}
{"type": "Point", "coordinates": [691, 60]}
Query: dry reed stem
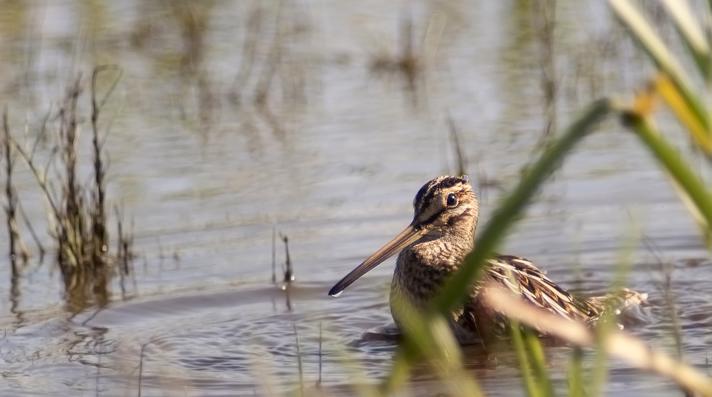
{"type": "Point", "coordinates": [615, 343]}
{"type": "Point", "coordinates": [78, 218]}
{"type": "Point", "coordinates": [274, 255]}
{"type": "Point", "coordinates": [288, 269]}
{"type": "Point", "coordinates": [545, 22]}
{"type": "Point", "coordinates": [461, 164]}
{"type": "Point", "coordinates": [98, 216]}
{"type": "Point", "coordinates": [11, 196]}
{"type": "Point", "coordinates": [318, 381]}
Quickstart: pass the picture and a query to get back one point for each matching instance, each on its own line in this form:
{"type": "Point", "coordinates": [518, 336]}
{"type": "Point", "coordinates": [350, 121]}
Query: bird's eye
{"type": "Point", "coordinates": [451, 200]}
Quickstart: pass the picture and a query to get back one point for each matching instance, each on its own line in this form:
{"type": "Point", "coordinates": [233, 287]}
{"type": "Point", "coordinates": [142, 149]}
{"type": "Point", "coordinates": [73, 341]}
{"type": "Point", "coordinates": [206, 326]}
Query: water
{"type": "Point", "coordinates": [206, 174]}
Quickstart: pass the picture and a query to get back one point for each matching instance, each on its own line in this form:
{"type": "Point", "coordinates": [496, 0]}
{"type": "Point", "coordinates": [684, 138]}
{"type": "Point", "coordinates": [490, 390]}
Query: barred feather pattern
{"type": "Point", "coordinates": [419, 282]}
{"type": "Point", "coordinates": [524, 279]}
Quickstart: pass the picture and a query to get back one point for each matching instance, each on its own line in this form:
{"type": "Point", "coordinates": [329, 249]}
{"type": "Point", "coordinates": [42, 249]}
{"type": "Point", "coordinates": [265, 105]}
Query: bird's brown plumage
{"type": "Point", "coordinates": [434, 246]}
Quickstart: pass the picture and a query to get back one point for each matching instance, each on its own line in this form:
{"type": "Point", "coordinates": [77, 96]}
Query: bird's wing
{"type": "Point", "coordinates": [524, 279]}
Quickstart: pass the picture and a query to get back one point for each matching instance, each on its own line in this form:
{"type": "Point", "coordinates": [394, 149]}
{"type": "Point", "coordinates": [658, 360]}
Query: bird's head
{"type": "Point", "coordinates": [445, 206]}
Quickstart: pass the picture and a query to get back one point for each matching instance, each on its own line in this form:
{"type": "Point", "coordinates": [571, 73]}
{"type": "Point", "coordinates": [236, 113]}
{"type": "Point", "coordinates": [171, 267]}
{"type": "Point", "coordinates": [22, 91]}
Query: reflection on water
{"type": "Point", "coordinates": [319, 121]}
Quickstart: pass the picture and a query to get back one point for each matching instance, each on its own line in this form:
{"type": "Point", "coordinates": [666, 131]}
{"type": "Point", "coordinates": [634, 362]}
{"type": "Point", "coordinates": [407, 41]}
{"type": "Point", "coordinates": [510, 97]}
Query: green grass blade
{"type": "Point", "coordinates": [507, 212]}
{"type": "Point", "coordinates": [599, 373]}
{"type": "Point", "coordinates": [575, 374]}
{"type": "Point", "coordinates": [674, 99]}
{"type": "Point", "coordinates": [689, 183]}
{"type": "Point", "coordinates": [608, 321]}
{"type": "Point", "coordinates": [428, 338]}
{"type": "Point", "coordinates": [538, 362]}
{"type": "Point", "coordinates": [530, 383]}
{"type": "Point", "coordinates": [531, 358]}
{"type": "Point", "coordinates": [691, 34]}
{"type": "Point", "coordinates": [644, 34]}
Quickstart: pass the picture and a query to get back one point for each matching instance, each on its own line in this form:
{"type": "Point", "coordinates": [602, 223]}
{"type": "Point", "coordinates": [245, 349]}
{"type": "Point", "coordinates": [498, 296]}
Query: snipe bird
{"type": "Point", "coordinates": [433, 247]}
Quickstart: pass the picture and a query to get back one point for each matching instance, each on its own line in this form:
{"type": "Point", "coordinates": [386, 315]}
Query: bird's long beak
{"type": "Point", "coordinates": [408, 236]}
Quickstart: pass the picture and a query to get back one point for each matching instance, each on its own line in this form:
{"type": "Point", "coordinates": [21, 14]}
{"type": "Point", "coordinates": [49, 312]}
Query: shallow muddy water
{"type": "Point", "coordinates": [206, 174]}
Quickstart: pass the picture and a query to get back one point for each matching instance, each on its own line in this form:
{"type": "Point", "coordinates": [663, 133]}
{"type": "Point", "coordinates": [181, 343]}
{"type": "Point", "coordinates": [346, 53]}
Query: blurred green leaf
{"type": "Point", "coordinates": [688, 183]}
{"type": "Point", "coordinates": [575, 374]}
{"type": "Point", "coordinates": [530, 383]}
{"type": "Point", "coordinates": [644, 34]}
{"type": "Point", "coordinates": [538, 362]}
{"type": "Point", "coordinates": [428, 338]}
{"type": "Point", "coordinates": [673, 98]}
{"type": "Point", "coordinates": [691, 33]}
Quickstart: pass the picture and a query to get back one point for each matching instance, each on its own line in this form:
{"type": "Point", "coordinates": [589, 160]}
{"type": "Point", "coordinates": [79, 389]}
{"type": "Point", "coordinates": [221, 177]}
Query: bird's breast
{"type": "Point", "coordinates": [422, 269]}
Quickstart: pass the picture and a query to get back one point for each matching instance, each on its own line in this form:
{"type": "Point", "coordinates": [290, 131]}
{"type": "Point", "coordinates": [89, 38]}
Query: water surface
{"type": "Point", "coordinates": [206, 174]}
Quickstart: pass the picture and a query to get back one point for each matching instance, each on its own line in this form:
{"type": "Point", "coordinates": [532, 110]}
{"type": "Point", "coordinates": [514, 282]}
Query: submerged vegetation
{"type": "Point", "coordinates": [77, 213]}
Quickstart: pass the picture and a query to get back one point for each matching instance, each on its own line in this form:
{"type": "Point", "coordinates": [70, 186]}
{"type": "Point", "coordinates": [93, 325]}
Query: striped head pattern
{"type": "Point", "coordinates": [445, 202]}
{"type": "Point", "coordinates": [444, 207]}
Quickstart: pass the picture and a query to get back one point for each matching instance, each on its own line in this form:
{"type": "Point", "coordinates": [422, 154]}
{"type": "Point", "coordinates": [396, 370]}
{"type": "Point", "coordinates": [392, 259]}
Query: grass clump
{"type": "Point", "coordinates": [78, 218]}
